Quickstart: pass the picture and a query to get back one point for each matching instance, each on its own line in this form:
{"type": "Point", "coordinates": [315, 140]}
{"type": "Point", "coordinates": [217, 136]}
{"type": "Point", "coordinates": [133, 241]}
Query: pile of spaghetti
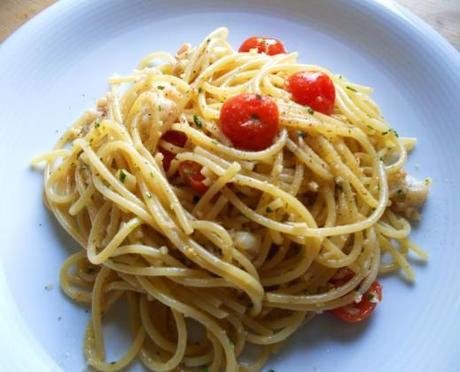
{"type": "Point", "coordinates": [240, 191]}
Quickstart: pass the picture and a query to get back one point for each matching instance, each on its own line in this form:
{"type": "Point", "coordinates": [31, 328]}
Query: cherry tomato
{"type": "Point", "coordinates": [250, 121]}
{"type": "Point", "coordinates": [177, 139]}
{"type": "Point", "coordinates": [265, 45]}
{"type": "Point", "coordinates": [314, 89]}
{"type": "Point", "coordinates": [190, 172]}
{"type": "Point", "coordinates": [357, 312]}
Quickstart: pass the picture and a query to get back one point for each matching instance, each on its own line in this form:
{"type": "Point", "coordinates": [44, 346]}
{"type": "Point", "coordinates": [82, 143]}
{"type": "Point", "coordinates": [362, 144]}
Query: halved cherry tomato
{"type": "Point", "coordinates": [177, 139]}
{"type": "Point", "coordinates": [250, 121]}
{"type": "Point", "coordinates": [190, 172]}
{"type": "Point", "coordinates": [265, 45]}
{"type": "Point", "coordinates": [357, 312]}
{"type": "Point", "coordinates": [314, 89]}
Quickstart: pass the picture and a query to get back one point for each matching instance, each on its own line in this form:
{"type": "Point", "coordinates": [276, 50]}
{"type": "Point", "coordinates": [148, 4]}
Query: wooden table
{"type": "Point", "coordinates": [442, 15]}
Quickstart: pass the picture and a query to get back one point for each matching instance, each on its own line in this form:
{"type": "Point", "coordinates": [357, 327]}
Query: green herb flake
{"type": "Point", "coordinates": [122, 176]}
{"type": "Point", "coordinates": [401, 194]}
{"type": "Point", "coordinates": [200, 90]}
{"type": "Point", "coordinates": [113, 362]}
{"type": "Point", "coordinates": [148, 195]}
{"type": "Point", "coordinates": [159, 108]}
{"type": "Point", "coordinates": [161, 87]}
{"type": "Point", "coordinates": [310, 111]}
{"type": "Point", "coordinates": [394, 132]}
{"type": "Point", "coordinates": [301, 134]}
{"type": "Point", "coordinates": [97, 125]}
{"type": "Point", "coordinates": [197, 121]}
{"type": "Point", "coordinates": [269, 210]}
{"type": "Point", "coordinates": [352, 89]}
{"type": "Point", "coordinates": [370, 297]}
{"type": "Point", "coordinates": [204, 369]}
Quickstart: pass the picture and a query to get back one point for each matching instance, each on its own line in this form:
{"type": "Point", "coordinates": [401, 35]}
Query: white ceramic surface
{"type": "Point", "coordinates": [56, 66]}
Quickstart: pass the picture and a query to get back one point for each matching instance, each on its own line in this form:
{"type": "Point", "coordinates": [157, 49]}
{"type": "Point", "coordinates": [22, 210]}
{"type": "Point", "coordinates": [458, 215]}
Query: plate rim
{"type": "Point", "coordinates": [39, 359]}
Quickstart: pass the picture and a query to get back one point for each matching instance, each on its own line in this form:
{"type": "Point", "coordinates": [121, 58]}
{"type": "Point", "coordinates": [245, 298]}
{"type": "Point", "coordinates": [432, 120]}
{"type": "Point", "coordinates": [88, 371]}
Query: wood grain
{"type": "Point", "coordinates": [442, 15]}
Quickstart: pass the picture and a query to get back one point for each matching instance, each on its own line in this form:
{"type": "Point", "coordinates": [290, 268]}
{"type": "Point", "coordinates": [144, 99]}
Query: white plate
{"type": "Point", "coordinates": [56, 66]}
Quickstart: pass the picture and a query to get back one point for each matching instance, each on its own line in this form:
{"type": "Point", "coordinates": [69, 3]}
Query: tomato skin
{"type": "Point", "coordinates": [314, 89]}
{"type": "Point", "coordinates": [267, 45]}
{"type": "Point", "coordinates": [357, 312]}
{"type": "Point", "coordinates": [250, 121]}
{"type": "Point", "coordinates": [176, 138]}
{"type": "Point", "coordinates": [190, 172]}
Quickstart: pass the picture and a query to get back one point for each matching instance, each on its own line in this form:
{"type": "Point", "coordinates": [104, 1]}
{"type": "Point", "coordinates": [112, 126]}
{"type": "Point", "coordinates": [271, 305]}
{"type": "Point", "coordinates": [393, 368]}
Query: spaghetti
{"type": "Point", "coordinates": [187, 228]}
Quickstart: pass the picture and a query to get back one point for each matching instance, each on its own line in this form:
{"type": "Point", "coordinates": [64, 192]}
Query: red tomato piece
{"type": "Point", "coordinates": [357, 312]}
{"type": "Point", "coordinates": [250, 121]}
{"type": "Point", "coordinates": [177, 139]}
{"type": "Point", "coordinates": [265, 45]}
{"type": "Point", "coordinates": [190, 172]}
{"type": "Point", "coordinates": [314, 89]}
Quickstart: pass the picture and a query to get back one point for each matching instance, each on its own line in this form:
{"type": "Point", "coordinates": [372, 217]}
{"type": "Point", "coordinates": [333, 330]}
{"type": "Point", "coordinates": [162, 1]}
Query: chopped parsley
{"type": "Point", "coordinates": [161, 87]}
{"type": "Point", "coordinates": [401, 194]}
{"type": "Point", "coordinates": [112, 362]}
{"type": "Point", "coordinates": [352, 89]}
{"type": "Point", "coordinates": [301, 134]}
{"type": "Point", "coordinates": [159, 108]}
{"type": "Point", "coordinates": [200, 90]}
{"type": "Point", "coordinates": [204, 369]}
{"type": "Point", "coordinates": [122, 176]}
{"type": "Point", "coordinates": [370, 297]}
{"type": "Point", "coordinates": [394, 132]}
{"type": "Point", "coordinates": [98, 124]}
{"type": "Point", "coordinates": [269, 210]}
{"type": "Point", "coordinates": [310, 111]}
{"type": "Point", "coordinates": [197, 121]}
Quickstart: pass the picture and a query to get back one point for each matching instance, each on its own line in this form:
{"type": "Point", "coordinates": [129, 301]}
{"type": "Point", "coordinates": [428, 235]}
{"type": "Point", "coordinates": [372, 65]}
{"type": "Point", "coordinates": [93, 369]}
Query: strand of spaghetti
{"type": "Point", "coordinates": [162, 187]}
{"type": "Point", "coordinates": [307, 156]}
{"type": "Point", "coordinates": [155, 289]}
{"type": "Point", "coordinates": [200, 139]}
{"type": "Point", "coordinates": [294, 323]}
{"type": "Point", "coordinates": [225, 178]}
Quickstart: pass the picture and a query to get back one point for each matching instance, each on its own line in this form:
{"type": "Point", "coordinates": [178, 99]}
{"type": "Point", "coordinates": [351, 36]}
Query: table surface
{"type": "Point", "coordinates": [442, 15]}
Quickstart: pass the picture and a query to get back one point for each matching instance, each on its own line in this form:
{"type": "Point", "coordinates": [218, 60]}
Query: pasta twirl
{"type": "Point", "coordinates": [257, 252]}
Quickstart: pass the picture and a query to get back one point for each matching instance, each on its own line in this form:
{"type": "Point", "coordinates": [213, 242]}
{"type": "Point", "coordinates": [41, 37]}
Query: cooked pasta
{"type": "Point", "coordinates": [246, 244]}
